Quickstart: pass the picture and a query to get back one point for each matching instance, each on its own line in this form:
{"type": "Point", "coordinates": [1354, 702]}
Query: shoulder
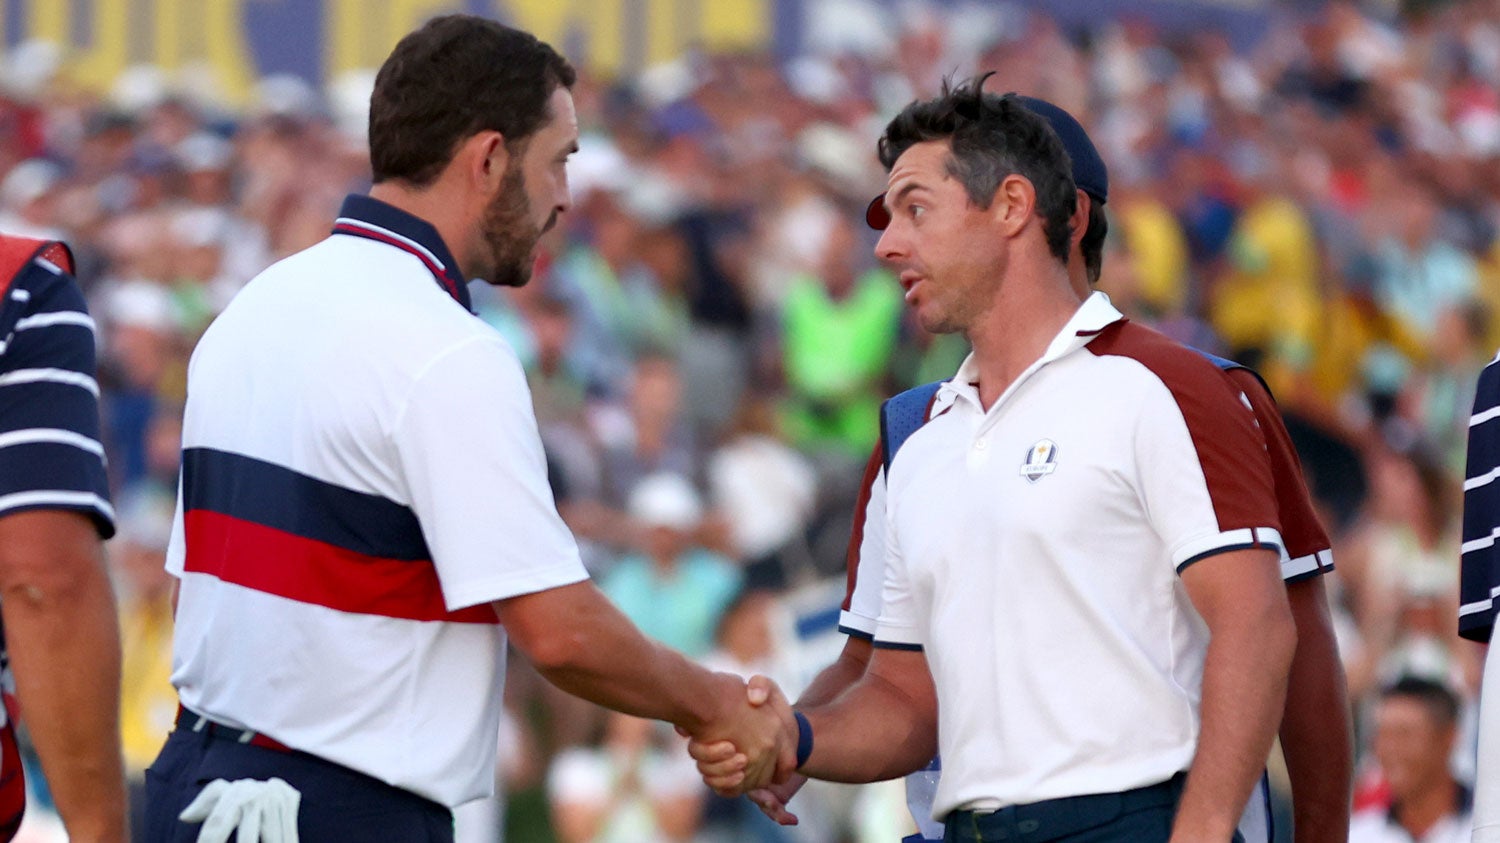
{"type": "Point", "coordinates": [1184, 371]}
{"type": "Point", "coordinates": [1164, 356]}
{"type": "Point", "coordinates": [40, 284]}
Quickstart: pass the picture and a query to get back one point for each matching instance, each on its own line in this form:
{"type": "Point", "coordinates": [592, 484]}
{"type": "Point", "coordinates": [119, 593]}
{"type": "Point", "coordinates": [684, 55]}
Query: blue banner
{"type": "Point", "coordinates": [240, 41]}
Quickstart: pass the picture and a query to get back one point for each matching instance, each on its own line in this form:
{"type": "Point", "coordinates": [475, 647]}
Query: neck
{"type": "Point", "coordinates": [437, 208]}
{"type": "Point", "coordinates": [1015, 331]}
{"type": "Point", "coordinates": [1423, 810]}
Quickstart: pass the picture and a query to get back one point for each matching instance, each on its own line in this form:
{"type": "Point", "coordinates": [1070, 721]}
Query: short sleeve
{"type": "Point", "coordinates": [1308, 553]}
{"type": "Point", "coordinates": [472, 460]}
{"type": "Point", "coordinates": [1205, 476]}
{"type": "Point", "coordinates": [51, 456]}
{"type": "Point", "coordinates": [865, 558]}
{"type": "Point", "coordinates": [899, 627]}
{"type": "Point", "coordinates": [1479, 566]}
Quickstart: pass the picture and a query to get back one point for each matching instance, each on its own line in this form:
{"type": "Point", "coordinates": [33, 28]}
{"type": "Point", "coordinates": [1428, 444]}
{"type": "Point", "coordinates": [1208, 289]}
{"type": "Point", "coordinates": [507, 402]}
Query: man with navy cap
{"type": "Point", "coordinates": [1315, 730]}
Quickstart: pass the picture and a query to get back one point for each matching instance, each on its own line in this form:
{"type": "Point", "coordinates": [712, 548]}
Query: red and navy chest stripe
{"type": "Point", "coordinates": [266, 527]}
{"type": "Point", "coordinates": [362, 216]}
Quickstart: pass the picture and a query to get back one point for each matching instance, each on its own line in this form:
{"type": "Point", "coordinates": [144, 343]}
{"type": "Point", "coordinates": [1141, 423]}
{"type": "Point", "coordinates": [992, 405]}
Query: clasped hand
{"type": "Point", "coordinates": [753, 744]}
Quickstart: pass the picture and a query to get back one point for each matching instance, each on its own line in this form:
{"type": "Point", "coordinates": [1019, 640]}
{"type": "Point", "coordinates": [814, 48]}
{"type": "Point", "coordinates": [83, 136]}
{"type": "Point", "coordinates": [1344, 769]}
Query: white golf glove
{"type": "Point", "coordinates": [264, 811]}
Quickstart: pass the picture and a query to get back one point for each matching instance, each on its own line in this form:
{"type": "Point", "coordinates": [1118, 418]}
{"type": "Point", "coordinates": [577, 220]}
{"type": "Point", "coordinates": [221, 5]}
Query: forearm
{"type": "Point", "coordinates": [839, 676]}
{"type": "Point", "coordinates": [619, 668]}
{"type": "Point", "coordinates": [1315, 727]}
{"type": "Point", "coordinates": [876, 730]}
{"type": "Point", "coordinates": [586, 647]}
{"type": "Point", "coordinates": [1244, 689]}
{"type": "Point", "coordinates": [64, 646]}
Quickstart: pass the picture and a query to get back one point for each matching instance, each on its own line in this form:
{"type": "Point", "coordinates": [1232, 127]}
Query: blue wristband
{"type": "Point", "coordinates": [804, 738]}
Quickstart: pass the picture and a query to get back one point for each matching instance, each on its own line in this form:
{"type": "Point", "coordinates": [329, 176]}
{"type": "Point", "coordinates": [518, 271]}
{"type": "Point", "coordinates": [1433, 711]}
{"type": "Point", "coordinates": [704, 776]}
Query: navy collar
{"type": "Point", "coordinates": [372, 219]}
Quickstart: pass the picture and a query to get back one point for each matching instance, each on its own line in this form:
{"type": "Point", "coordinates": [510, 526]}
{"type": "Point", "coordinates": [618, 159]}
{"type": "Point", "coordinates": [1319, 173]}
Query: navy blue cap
{"type": "Point", "coordinates": [1089, 172]}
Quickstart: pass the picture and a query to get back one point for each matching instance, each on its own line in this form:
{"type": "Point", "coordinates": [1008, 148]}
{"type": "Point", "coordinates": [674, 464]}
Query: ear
{"type": "Point", "coordinates": [1015, 202]}
{"type": "Point", "coordinates": [1078, 224]}
{"type": "Point", "coordinates": [487, 157]}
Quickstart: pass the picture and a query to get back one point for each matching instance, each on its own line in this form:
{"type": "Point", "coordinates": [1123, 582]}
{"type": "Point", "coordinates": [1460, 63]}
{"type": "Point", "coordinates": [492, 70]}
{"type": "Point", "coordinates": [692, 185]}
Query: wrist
{"type": "Point", "coordinates": [804, 738]}
{"type": "Point", "coordinates": [726, 693]}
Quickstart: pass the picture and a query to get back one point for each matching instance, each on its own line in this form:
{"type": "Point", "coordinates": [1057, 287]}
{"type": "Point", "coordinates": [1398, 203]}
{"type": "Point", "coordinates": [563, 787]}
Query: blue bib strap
{"type": "Point", "coordinates": [902, 415]}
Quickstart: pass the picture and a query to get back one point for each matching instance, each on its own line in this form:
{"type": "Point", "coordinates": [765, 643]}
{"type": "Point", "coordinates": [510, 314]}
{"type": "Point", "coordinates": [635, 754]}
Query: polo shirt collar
{"type": "Point", "coordinates": [372, 219]}
{"type": "Point", "coordinates": [1088, 321]}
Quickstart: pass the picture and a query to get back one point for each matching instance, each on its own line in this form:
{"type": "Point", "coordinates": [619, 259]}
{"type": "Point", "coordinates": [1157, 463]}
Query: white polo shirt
{"type": "Point", "coordinates": [362, 476]}
{"type": "Point", "coordinates": [1033, 552]}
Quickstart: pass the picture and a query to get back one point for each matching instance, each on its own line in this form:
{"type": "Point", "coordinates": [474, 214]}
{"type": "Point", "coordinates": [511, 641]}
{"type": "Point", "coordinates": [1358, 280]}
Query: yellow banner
{"type": "Point", "coordinates": [236, 42]}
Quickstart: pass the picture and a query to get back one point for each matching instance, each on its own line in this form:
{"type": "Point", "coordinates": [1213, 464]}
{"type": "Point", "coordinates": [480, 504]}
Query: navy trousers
{"type": "Point", "coordinates": [338, 805]}
{"type": "Point", "coordinates": [1142, 815]}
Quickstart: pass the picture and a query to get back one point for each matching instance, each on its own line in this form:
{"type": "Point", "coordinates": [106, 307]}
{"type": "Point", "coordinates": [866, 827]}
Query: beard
{"type": "Point", "coordinates": [509, 234]}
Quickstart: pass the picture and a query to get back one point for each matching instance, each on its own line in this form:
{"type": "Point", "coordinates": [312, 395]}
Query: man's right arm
{"type": "Point", "coordinates": [832, 681]}
{"type": "Point", "coordinates": [1316, 733]}
{"type": "Point", "coordinates": [1315, 728]}
{"type": "Point", "coordinates": [582, 644]}
{"type": "Point", "coordinates": [883, 727]}
{"type": "Point", "coordinates": [64, 646]}
{"type": "Point", "coordinates": [841, 675]}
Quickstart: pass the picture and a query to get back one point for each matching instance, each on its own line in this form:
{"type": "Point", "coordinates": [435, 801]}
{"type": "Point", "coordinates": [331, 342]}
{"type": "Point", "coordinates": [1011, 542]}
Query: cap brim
{"type": "Point", "coordinates": [876, 216]}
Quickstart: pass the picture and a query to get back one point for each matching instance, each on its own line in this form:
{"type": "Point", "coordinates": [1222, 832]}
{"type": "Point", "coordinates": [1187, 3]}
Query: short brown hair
{"type": "Point", "coordinates": [991, 137]}
{"type": "Point", "coordinates": [456, 76]}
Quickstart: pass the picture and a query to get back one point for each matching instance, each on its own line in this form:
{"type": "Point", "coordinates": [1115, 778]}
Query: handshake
{"type": "Point", "coordinates": [754, 747]}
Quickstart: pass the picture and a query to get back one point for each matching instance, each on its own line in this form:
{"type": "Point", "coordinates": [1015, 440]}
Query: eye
{"type": "Point", "coordinates": [916, 211]}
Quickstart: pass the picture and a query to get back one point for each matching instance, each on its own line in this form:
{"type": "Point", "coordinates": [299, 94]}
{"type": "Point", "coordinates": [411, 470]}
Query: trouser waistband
{"type": "Point", "coordinates": [1054, 818]}
{"type": "Point", "coordinates": [191, 720]}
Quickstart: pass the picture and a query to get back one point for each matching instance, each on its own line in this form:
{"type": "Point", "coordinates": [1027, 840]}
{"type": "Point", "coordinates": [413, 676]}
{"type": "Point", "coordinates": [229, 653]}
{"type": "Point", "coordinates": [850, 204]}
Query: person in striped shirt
{"type": "Point", "coordinates": [55, 597]}
{"type": "Point", "coordinates": [1479, 584]}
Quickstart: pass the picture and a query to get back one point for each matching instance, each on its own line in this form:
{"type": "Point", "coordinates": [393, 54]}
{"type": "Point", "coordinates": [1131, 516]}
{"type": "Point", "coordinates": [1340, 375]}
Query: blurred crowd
{"type": "Point", "coordinates": [709, 336]}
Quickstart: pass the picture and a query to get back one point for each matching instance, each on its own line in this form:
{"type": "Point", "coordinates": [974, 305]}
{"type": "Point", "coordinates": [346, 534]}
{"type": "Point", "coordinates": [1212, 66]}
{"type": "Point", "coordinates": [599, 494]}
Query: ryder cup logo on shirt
{"type": "Point", "coordinates": [1041, 460]}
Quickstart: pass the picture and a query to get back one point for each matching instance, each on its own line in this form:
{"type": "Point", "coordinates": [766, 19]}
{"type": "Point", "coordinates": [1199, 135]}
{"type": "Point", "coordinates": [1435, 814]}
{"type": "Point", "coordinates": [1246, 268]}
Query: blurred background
{"type": "Point", "coordinates": [1310, 188]}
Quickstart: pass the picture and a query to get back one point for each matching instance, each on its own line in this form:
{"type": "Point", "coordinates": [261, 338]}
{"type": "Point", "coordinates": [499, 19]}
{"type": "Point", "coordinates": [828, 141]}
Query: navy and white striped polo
{"type": "Point", "coordinates": [50, 452]}
{"type": "Point", "coordinates": [1480, 567]}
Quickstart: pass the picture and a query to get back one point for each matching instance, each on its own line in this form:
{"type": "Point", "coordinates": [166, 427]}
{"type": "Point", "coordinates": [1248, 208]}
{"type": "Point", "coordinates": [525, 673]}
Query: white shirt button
{"type": "Point", "coordinates": [980, 445]}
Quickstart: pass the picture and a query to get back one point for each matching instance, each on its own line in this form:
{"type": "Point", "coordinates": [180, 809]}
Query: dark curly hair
{"type": "Point", "coordinates": [991, 137]}
{"type": "Point", "coordinates": [456, 76]}
{"type": "Point", "coordinates": [1092, 244]}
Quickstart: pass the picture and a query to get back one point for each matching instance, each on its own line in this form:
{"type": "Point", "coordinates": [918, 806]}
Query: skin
{"type": "Point", "coordinates": [491, 204]}
{"type": "Point", "coordinates": [1412, 746]}
{"type": "Point", "coordinates": [971, 269]}
{"type": "Point", "coordinates": [59, 611]}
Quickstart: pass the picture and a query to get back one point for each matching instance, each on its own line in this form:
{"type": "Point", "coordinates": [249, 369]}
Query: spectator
{"type": "Point", "coordinates": [840, 327]}
{"type": "Point", "coordinates": [1416, 726]}
{"type": "Point", "coordinates": [673, 590]}
{"type": "Point", "coordinates": [637, 786]}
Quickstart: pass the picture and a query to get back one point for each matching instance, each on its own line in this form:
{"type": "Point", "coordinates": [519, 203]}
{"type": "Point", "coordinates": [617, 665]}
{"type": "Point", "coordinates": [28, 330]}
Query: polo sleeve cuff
{"type": "Point", "coordinates": [889, 636]}
{"type": "Point", "coordinates": [500, 588]}
{"type": "Point", "coordinates": [1248, 538]}
{"type": "Point", "coordinates": [93, 506]}
{"type": "Point", "coordinates": [1306, 567]}
{"type": "Point", "coordinates": [1476, 621]}
{"type": "Point", "coordinates": [860, 626]}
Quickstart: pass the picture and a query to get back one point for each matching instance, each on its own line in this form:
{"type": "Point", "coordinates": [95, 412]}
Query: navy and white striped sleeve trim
{"type": "Point", "coordinates": [1248, 538]}
{"type": "Point", "coordinates": [1306, 567]}
{"type": "Point", "coordinates": [1479, 568]}
{"type": "Point", "coordinates": [51, 456]}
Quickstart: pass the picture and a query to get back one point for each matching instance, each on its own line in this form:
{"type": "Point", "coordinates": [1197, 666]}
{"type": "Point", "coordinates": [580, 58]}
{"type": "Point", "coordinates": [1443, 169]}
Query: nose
{"type": "Point", "coordinates": [890, 247]}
